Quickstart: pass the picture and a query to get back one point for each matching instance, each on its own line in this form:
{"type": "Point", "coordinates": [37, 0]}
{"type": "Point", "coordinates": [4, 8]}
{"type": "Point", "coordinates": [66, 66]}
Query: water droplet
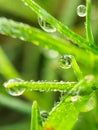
{"type": "Point", "coordinates": [62, 82]}
{"type": "Point", "coordinates": [62, 95]}
{"type": "Point", "coordinates": [74, 98]}
{"type": "Point", "coordinates": [65, 62]}
{"type": "Point", "coordinates": [44, 115]}
{"type": "Point", "coordinates": [81, 10]}
{"type": "Point", "coordinates": [45, 25]}
{"type": "Point", "coordinates": [14, 91]}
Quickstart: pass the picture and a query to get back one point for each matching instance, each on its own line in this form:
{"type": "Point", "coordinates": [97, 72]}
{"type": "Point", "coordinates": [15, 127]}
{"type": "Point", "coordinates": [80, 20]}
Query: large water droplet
{"type": "Point", "coordinates": [65, 62]}
{"type": "Point", "coordinates": [44, 115]}
{"type": "Point", "coordinates": [45, 25]}
{"type": "Point", "coordinates": [14, 91]}
{"type": "Point", "coordinates": [81, 10]}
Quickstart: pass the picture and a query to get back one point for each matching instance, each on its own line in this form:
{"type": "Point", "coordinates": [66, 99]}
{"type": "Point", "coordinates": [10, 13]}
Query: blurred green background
{"type": "Point", "coordinates": [36, 63]}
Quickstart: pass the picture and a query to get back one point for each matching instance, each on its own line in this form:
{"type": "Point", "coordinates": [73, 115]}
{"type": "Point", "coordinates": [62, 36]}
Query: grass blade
{"type": "Point", "coordinates": [70, 87]}
{"type": "Point", "coordinates": [65, 114]}
{"type": "Point", "coordinates": [62, 117]}
{"type": "Point", "coordinates": [38, 37]}
{"type": "Point", "coordinates": [60, 27]}
{"type": "Point", "coordinates": [89, 34]}
{"type": "Point", "coordinates": [36, 122]}
{"type": "Point", "coordinates": [41, 86]}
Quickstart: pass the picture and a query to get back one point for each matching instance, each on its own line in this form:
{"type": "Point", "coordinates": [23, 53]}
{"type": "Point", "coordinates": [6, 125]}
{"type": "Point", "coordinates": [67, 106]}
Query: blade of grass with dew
{"type": "Point", "coordinates": [14, 103]}
{"type": "Point", "coordinates": [6, 68]}
{"type": "Point", "coordinates": [65, 114]}
{"type": "Point", "coordinates": [62, 117]}
{"type": "Point", "coordinates": [41, 86]}
{"type": "Point", "coordinates": [56, 86]}
{"type": "Point", "coordinates": [89, 34]}
{"type": "Point", "coordinates": [91, 85]}
{"type": "Point", "coordinates": [38, 37]}
{"type": "Point", "coordinates": [36, 121]}
{"type": "Point", "coordinates": [60, 27]}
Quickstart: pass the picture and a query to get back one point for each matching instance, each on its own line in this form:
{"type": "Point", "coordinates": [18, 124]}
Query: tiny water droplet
{"type": "Point", "coordinates": [61, 82]}
{"type": "Point", "coordinates": [81, 10]}
{"type": "Point", "coordinates": [44, 115]}
{"type": "Point", "coordinates": [45, 25]}
{"type": "Point", "coordinates": [62, 94]}
{"type": "Point", "coordinates": [65, 62]}
{"type": "Point", "coordinates": [14, 91]}
{"type": "Point", "coordinates": [74, 98]}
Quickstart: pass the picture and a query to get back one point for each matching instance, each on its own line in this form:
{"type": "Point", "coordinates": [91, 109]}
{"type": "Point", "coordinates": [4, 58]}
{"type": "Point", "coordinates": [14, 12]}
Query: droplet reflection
{"type": "Point", "coordinates": [65, 62]}
{"type": "Point", "coordinates": [44, 115]}
{"type": "Point", "coordinates": [81, 10]}
{"type": "Point", "coordinates": [14, 91]}
{"type": "Point", "coordinates": [45, 25]}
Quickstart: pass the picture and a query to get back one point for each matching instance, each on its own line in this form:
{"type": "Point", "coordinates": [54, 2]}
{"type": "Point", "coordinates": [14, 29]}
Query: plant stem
{"type": "Point", "coordinates": [41, 85]}
{"type": "Point", "coordinates": [55, 86]}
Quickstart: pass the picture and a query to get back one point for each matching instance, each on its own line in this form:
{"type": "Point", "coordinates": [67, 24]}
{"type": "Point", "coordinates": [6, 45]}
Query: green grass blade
{"type": "Point", "coordinates": [89, 34]}
{"type": "Point", "coordinates": [38, 37]}
{"type": "Point", "coordinates": [6, 68]}
{"type": "Point", "coordinates": [36, 122]}
{"type": "Point", "coordinates": [62, 117]}
{"type": "Point", "coordinates": [60, 27]}
{"type": "Point", "coordinates": [65, 114]}
{"type": "Point", "coordinates": [41, 86]}
{"type": "Point", "coordinates": [70, 87]}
